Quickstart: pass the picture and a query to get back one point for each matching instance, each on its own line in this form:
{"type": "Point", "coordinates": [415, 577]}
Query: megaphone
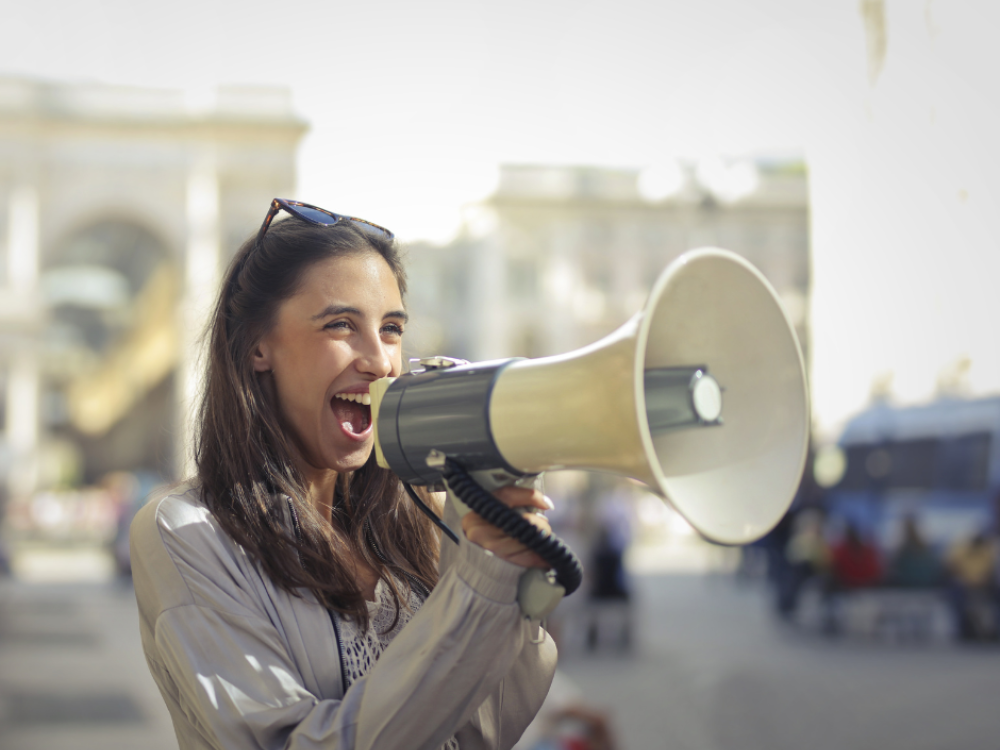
{"type": "Point", "coordinates": [701, 396]}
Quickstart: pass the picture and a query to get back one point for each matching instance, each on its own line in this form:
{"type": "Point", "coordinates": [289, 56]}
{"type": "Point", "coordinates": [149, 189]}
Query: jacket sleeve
{"type": "Point", "coordinates": [502, 718]}
{"type": "Point", "coordinates": [227, 669]}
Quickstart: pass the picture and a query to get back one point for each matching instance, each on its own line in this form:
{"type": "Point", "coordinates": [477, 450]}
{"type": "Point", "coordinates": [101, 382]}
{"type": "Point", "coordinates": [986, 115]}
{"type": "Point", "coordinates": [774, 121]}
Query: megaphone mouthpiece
{"type": "Point", "coordinates": [679, 397]}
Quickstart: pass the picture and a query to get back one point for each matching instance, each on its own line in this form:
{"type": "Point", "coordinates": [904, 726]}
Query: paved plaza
{"type": "Point", "coordinates": [709, 670]}
{"type": "Point", "coordinates": [714, 671]}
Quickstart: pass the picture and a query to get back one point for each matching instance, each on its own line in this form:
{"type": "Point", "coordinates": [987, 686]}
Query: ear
{"type": "Point", "coordinates": [262, 358]}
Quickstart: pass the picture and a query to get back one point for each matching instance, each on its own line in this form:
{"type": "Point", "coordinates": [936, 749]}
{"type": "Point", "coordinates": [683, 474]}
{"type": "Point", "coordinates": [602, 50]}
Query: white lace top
{"type": "Point", "coordinates": [361, 649]}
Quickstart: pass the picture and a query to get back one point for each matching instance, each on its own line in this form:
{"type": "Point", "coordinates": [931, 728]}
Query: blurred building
{"type": "Point", "coordinates": [118, 209]}
{"type": "Point", "coordinates": [560, 256]}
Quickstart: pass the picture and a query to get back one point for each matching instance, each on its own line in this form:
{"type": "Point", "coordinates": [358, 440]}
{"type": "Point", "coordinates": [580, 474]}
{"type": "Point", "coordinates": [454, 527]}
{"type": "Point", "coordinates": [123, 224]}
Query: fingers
{"type": "Point", "coordinates": [519, 497]}
{"type": "Point", "coordinates": [506, 548]}
{"type": "Point", "coordinates": [490, 537]}
{"type": "Point", "coordinates": [487, 535]}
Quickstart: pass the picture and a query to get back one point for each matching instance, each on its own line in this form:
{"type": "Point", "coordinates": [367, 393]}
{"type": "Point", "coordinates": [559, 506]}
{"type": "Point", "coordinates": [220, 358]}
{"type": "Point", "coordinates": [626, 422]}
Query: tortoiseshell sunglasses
{"type": "Point", "coordinates": [320, 216]}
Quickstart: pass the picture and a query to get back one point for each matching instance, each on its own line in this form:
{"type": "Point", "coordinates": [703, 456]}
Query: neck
{"type": "Point", "coordinates": [320, 487]}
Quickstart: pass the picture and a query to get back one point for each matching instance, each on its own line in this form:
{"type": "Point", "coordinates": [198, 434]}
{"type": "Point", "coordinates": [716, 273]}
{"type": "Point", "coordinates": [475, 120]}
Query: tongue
{"type": "Point", "coordinates": [355, 417]}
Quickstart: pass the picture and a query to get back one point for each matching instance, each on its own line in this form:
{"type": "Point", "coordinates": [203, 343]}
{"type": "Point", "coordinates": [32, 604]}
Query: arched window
{"type": "Point", "coordinates": [110, 347]}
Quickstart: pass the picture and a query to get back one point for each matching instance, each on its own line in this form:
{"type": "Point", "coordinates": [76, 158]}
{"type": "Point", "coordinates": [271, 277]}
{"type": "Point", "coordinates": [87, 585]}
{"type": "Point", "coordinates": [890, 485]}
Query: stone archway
{"type": "Point", "coordinates": [111, 290]}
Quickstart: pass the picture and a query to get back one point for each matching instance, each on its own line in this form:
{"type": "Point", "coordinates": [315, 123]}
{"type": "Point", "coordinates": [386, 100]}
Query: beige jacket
{"type": "Point", "coordinates": [243, 664]}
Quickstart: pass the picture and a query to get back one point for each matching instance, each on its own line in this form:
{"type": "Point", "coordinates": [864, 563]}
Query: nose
{"type": "Point", "coordinates": [374, 358]}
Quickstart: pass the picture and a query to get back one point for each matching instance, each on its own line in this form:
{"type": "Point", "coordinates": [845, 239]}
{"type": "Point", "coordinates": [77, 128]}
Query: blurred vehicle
{"type": "Point", "coordinates": [915, 482]}
{"type": "Point", "coordinates": [939, 462]}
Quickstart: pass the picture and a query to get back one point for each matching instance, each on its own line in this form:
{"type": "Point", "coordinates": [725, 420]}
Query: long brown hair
{"type": "Point", "coordinates": [244, 458]}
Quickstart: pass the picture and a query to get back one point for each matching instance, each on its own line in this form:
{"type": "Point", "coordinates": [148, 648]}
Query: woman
{"type": "Point", "coordinates": [274, 588]}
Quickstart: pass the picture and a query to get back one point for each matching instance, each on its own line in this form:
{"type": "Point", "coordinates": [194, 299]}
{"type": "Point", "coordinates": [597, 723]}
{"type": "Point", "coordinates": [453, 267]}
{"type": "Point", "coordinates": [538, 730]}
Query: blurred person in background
{"type": "Point", "coordinates": [122, 487]}
{"type": "Point", "coordinates": [971, 565]}
{"type": "Point", "coordinates": [129, 492]}
{"type": "Point", "coordinates": [576, 727]}
{"type": "Point", "coordinates": [609, 610]}
{"type": "Point", "coordinates": [610, 594]}
{"type": "Point", "coordinates": [854, 564]}
{"type": "Point", "coordinates": [807, 558]}
{"type": "Point", "coordinates": [854, 561]}
{"type": "Point", "coordinates": [4, 556]}
{"type": "Point", "coordinates": [5, 569]}
{"type": "Point", "coordinates": [914, 564]}
{"type": "Point", "coordinates": [291, 595]}
{"type": "Point", "coordinates": [568, 721]}
{"type": "Point", "coordinates": [767, 554]}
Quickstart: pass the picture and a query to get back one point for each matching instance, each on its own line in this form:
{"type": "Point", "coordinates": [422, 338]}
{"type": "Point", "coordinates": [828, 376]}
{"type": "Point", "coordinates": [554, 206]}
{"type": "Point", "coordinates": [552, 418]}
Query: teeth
{"type": "Point", "coordinates": [358, 398]}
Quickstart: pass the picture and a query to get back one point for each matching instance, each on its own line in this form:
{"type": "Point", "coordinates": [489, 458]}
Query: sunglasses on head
{"type": "Point", "coordinates": [320, 216]}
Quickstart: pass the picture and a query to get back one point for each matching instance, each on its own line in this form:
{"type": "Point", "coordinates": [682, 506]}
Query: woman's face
{"type": "Point", "coordinates": [340, 331]}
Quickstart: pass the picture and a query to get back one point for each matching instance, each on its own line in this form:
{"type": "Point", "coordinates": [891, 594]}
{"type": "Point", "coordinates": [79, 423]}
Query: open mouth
{"type": "Point", "coordinates": [353, 412]}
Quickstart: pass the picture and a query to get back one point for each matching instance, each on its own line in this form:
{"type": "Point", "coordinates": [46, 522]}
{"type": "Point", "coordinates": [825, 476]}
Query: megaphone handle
{"type": "Point", "coordinates": [492, 480]}
{"type": "Point", "coordinates": [537, 593]}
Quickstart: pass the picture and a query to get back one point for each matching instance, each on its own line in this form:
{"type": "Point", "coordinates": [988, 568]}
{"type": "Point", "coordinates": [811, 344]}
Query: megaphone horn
{"type": "Point", "coordinates": [701, 396]}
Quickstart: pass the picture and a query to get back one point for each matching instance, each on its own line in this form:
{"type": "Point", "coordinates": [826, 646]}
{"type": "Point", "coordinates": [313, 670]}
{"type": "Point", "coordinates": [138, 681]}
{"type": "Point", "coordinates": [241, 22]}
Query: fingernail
{"type": "Point", "coordinates": [548, 503]}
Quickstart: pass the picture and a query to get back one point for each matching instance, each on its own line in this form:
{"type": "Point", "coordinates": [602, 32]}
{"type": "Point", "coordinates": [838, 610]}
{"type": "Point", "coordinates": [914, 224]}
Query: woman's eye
{"type": "Point", "coordinates": [393, 329]}
{"type": "Point", "coordinates": [338, 324]}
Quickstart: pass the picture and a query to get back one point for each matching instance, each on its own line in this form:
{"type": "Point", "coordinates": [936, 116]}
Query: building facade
{"type": "Point", "coordinates": [119, 208]}
{"type": "Point", "coordinates": [560, 256]}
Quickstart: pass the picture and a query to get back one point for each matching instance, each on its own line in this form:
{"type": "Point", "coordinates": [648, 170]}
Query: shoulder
{"type": "Point", "coordinates": [169, 512]}
{"type": "Point", "coordinates": [180, 553]}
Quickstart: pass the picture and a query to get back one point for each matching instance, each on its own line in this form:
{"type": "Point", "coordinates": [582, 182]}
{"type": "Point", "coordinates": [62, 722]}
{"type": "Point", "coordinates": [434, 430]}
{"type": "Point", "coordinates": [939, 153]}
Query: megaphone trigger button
{"type": "Point", "coordinates": [436, 459]}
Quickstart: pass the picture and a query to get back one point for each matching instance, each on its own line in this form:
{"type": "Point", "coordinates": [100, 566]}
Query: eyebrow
{"type": "Point", "coordinates": [333, 310]}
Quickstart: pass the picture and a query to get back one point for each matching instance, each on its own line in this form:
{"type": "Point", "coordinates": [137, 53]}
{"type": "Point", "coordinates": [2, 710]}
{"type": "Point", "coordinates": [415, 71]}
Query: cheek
{"type": "Point", "coordinates": [304, 380]}
{"type": "Point", "coordinates": [322, 364]}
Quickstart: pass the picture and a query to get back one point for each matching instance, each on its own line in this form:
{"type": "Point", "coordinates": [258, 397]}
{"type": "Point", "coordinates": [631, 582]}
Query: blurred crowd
{"type": "Point", "coordinates": [837, 559]}
{"type": "Point", "coordinates": [91, 516]}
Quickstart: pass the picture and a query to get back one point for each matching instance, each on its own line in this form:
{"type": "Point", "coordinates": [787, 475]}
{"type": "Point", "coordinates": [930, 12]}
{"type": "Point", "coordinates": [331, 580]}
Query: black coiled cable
{"type": "Point", "coordinates": [552, 549]}
{"type": "Point", "coordinates": [429, 513]}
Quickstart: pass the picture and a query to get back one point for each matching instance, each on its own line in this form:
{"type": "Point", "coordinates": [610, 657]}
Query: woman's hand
{"type": "Point", "coordinates": [489, 537]}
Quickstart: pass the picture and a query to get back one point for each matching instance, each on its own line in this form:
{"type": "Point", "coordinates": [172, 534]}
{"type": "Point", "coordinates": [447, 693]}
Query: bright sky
{"type": "Point", "coordinates": [413, 106]}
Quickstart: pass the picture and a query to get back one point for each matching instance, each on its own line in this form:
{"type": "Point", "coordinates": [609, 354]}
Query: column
{"type": "Point", "coordinates": [22, 389]}
{"type": "Point", "coordinates": [201, 282]}
{"type": "Point", "coordinates": [561, 285]}
{"type": "Point", "coordinates": [490, 306]}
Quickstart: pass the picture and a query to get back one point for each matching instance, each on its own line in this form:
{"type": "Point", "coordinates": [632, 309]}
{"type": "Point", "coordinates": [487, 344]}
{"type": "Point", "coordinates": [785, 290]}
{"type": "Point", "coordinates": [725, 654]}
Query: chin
{"type": "Point", "coordinates": [353, 460]}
